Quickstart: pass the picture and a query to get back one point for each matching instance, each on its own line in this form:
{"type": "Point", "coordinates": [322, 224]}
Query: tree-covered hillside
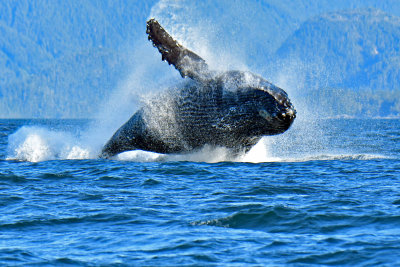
{"type": "Point", "coordinates": [64, 58]}
{"type": "Point", "coordinates": [357, 51]}
{"type": "Point", "coordinates": [61, 58]}
{"type": "Point", "coordinates": [351, 49]}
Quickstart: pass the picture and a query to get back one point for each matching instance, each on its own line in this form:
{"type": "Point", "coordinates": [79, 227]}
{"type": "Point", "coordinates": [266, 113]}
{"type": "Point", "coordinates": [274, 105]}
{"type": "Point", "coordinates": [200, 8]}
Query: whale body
{"type": "Point", "coordinates": [232, 109]}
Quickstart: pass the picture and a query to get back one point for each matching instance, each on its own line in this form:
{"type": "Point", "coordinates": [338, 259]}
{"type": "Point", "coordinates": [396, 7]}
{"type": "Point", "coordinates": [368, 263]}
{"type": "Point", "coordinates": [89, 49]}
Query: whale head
{"type": "Point", "coordinates": [267, 107]}
{"type": "Point", "coordinates": [274, 108]}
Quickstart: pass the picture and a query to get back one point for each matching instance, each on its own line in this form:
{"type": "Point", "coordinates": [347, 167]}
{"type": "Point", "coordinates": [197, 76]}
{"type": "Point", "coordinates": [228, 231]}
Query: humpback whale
{"type": "Point", "coordinates": [232, 109]}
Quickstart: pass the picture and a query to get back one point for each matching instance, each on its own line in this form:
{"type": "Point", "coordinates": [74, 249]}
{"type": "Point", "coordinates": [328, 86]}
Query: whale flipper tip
{"type": "Point", "coordinates": [188, 63]}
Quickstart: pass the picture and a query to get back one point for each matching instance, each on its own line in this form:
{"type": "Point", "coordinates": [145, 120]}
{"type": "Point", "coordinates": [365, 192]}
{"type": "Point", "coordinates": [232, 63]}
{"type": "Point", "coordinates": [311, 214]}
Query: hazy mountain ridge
{"type": "Point", "coordinates": [351, 45]}
{"type": "Point", "coordinates": [62, 59]}
{"type": "Point", "coordinates": [356, 50]}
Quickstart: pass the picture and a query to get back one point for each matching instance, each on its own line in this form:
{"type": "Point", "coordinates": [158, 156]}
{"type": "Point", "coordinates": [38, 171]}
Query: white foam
{"type": "Point", "coordinates": [39, 144]}
{"type": "Point", "coordinates": [140, 156]}
{"type": "Point", "coordinates": [206, 154]}
{"type": "Point", "coordinates": [36, 144]}
{"type": "Point", "coordinates": [259, 153]}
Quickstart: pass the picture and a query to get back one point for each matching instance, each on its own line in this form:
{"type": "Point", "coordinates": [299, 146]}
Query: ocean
{"type": "Point", "coordinates": [327, 192]}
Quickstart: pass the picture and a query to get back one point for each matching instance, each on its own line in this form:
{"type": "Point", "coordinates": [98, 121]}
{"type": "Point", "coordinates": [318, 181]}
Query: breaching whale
{"type": "Point", "coordinates": [232, 109]}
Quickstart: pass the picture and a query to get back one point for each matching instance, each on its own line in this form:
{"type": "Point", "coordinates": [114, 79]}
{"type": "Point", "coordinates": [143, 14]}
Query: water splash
{"type": "Point", "coordinates": [216, 39]}
{"type": "Point", "coordinates": [39, 144]}
{"type": "Point", "coordinates": [224, 42]}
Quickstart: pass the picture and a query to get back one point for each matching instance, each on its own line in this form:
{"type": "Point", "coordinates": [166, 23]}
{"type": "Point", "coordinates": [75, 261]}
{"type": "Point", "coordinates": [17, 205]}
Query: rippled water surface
{"type": "Point", "coordinates": [327, 196]}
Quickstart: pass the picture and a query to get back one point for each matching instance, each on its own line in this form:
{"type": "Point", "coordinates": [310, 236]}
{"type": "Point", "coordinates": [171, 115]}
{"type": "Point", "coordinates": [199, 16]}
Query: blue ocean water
{"type": "Point", "coordinates": [329, 195]}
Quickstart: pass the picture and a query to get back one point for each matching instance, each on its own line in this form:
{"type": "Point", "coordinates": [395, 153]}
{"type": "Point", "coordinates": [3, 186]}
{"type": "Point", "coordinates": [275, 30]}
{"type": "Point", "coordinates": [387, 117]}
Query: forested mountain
{"type": "Point", "coordinates": [63, 58]}
{"type": "Point", "coordinates": [351, 49]}
{"type": "Point", "coordinates": [356, 52]}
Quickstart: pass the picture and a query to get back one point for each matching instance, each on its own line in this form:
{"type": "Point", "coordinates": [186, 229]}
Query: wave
{"type": "Point", "coordinates": [206, 154]}
{"type": "Point", "coordinates": [330, 157]}
{"type": "Point", "coordinates": [35, 144]}
{"type": "Point", "coordinates": [214, 155]}
{"type": "Point", "coordinates": [289, 219]}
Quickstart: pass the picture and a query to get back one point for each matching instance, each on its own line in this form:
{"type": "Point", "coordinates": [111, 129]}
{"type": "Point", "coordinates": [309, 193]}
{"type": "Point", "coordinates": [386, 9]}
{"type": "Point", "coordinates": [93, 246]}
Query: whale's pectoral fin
{"type": "Point", "coordinates": [185, 61]}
